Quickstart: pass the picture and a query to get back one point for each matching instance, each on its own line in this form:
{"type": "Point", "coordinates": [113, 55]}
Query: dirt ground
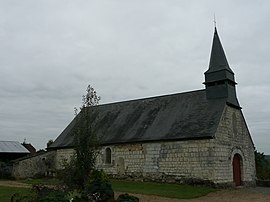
{"type": "Point", "coordinates": [255, 194]}
{"type": "Point", "coordinates": [8, 183]}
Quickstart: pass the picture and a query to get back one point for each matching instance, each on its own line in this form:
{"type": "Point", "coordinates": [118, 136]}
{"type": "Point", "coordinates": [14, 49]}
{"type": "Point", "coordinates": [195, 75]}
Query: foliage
{"type": "Point", "coordinates": [148, 188]}
{"type": "Point", "coordinates": [86, 145]}
{"type": "Point", "coordinates": [98, 176]}
{"type": "Point", "coordinates": [71, 175]}
{"type": "Point", "coordinates": [7, 192]}
{"type": "Point", "coordinates": [49, 143]}
{"type": "Point", "coordinates": [49, 194]}
{"type": "Point", "coordinates": [78, 170]}
{"type": "Point", "coordinates": [262, 166]}
{"type": "Point", "coordinates": [161, 189]}
{"type": "Point", "coordinates": [99, 186]}
{"type": "Point", "coordinates": [91, 98]}
{"type": "Point", "coordinates": [127, 198]}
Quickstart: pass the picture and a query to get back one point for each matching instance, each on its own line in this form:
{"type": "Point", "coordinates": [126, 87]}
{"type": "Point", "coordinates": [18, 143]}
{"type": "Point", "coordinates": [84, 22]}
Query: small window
{"type": "Point", "coordinates": [108, 156]}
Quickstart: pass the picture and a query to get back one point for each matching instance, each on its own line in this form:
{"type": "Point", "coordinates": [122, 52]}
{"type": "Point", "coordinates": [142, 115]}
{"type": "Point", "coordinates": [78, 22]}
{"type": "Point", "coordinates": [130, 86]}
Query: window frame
{"type": "Point", "coordinates": [108, 156]}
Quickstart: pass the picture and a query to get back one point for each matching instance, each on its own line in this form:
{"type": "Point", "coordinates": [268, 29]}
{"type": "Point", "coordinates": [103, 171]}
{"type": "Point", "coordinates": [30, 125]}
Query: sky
{"type": "Point", "coordinates": [50, 50]}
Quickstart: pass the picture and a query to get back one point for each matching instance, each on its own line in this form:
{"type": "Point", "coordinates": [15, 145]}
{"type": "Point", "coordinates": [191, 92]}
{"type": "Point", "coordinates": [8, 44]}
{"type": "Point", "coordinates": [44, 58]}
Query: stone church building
{"type": "Point", "coordinates": [191, 136]}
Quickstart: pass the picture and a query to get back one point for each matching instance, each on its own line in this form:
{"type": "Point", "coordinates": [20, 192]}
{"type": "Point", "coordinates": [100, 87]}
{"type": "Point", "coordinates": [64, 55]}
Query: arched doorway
{"type": "Point", "coordinates": [237, 169]}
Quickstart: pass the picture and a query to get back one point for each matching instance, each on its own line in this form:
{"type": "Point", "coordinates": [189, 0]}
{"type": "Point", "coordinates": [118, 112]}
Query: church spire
{"type": "Point", "coordinates": [219, 78]}
{"type": "Point", "coordinates": [218, 60]}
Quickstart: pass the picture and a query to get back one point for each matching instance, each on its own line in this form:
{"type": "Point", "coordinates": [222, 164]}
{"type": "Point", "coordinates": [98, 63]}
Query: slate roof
{"type": "Point", "coordinates": [171, 117]}
{"type": "Point", "coordinates": [12, 147]}
{"type": "Point", "coordinates": [218, 60]}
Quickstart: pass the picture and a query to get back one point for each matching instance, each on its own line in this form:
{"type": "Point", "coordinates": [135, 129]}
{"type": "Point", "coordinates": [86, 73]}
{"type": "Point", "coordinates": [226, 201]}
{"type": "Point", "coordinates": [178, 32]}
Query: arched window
{"type": "Point", "coordinates": [108, 155]}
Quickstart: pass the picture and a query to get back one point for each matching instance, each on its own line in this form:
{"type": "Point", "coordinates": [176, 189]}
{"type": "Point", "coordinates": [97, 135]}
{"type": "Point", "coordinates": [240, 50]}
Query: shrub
{"type": "Point", "coordinates": [127, 198]}
{"type": "Point", "coordinates": [70, 175]}
{"type": "Point", "coordinates": [262, 166]}
{"type": "Point", "coordinates": [47, 194]}
{"type": "Point", "coordinates": [99, 186]}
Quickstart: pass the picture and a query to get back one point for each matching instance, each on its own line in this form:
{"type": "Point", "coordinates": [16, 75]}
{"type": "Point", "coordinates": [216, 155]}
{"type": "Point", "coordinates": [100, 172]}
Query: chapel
{"type": "Point", "coordinates": [195, 136]}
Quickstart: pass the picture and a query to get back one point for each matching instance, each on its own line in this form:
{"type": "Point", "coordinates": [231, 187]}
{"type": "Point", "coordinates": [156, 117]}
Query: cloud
{"type": "Point", "coordinates": [51, 50]}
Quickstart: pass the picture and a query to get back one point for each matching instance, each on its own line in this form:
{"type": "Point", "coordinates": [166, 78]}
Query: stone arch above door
{"type": "Point", "coordinates": [237, 159]}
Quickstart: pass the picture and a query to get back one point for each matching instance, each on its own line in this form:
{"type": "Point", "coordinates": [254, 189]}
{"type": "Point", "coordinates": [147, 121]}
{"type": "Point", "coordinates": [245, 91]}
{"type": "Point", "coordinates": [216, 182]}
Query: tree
{"type": "Point", "coordinates": [86, 143]}
{"type": "Point", "coordinates": [49, 143]}
{"type": "Point", "coordinates": [262, 166]}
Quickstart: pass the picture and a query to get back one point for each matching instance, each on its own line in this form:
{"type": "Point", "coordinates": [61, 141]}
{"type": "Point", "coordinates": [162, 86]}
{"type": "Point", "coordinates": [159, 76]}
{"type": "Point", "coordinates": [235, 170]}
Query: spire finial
{"type": "Point", "coordinates": [215, 22]}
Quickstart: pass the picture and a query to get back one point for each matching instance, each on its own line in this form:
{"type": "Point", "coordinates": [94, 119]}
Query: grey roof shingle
{"type": "Point", "coordinates": [171, 117]}
{"type": "Point", "coordinates": [12, 147]}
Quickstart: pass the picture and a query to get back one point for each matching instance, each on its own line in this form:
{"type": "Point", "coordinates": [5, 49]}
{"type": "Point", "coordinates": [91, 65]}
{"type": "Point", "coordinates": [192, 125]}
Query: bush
{"type": "Point", "coordinates": [127, 198]}
{"type": "Point", "coordinates": [262, 166]}
{"type": "Point", "coordinates": [99, 186]}
{"type": "Point", "coordinates": [47, 194]}
{"type": "Point", "coordinates": [70, 175]}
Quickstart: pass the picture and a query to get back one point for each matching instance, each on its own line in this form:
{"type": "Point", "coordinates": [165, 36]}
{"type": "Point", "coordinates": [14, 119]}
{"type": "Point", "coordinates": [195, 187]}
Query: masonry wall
{"type": "Point", "coordinates": [161, 161]}
{"type": "Point", "coordinates": [164, 161]}
{"type": "Point", "coordinates": [35, 166]}
{"type": "Point", "coordinates": [63, 156]}
{"type": "Point", "coordinates": [232, 138]}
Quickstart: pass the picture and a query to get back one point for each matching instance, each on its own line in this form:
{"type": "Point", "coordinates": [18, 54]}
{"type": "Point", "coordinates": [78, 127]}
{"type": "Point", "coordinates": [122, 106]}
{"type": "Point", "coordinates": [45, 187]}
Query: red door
{"type": "Point", "coordinates": [237, 170]}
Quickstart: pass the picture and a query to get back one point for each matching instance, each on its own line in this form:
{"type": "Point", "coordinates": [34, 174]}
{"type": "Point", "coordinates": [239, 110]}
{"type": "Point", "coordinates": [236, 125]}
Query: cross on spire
{"type": "Point", "coordinates": [215, 22]}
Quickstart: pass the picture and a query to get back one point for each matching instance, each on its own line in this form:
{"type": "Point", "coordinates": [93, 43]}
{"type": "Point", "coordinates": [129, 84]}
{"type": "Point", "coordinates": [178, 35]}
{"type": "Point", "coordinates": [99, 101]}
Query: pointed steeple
{"type": "Point", "coordinates": [218, 60]}
{"type": "Point", "coordinates": [219, 78]}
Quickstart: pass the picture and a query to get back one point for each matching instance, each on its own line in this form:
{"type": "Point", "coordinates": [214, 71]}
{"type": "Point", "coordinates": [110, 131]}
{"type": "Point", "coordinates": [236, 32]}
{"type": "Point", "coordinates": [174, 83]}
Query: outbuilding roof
{"type": "Point", "coordinates": [179, 116]}
{"type": "Point", "coordinates": [12, 147]}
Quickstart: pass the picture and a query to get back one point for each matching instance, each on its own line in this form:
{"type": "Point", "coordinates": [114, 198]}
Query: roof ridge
{"type": "Point", "coordinates": [148, 98]}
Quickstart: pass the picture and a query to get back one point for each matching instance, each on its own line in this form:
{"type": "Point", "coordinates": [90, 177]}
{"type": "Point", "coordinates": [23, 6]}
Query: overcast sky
{"type": "Point", "coordinates": [50, 50]}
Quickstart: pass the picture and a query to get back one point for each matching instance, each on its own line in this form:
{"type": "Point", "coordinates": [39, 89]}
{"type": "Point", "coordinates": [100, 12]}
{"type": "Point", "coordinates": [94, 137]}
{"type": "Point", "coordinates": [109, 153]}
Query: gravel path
{"type": "Point", "coordinates": [257, 194]}
{"type": "Point", "coordinates": [9, 183]}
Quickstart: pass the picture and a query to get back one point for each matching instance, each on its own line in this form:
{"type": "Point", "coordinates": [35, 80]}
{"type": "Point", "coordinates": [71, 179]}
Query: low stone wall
{"type": "Point", "coordinates": [36, 166]}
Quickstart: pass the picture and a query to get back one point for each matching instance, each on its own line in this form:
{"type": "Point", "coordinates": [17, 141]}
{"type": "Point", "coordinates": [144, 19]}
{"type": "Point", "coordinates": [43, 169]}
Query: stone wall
{"type": "Point", "coordinates": [35, 166]}
{"type": "Point", "coordinates": [41, 165]}
{"type": "Point", "coordinates": [63, 156]}
{"type": "Point", "coordinates": [232, 138]}
{"type": "Point", "coordinates": [162, 161]}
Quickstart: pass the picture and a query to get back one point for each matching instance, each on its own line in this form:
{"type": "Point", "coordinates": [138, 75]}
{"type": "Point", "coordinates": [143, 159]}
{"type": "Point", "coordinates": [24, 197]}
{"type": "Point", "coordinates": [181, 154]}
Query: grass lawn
{"type": "Point", "coordinates": [161, 189]}
{"type": "Point", "coordinates": [7, 192]}
{"type": "Point", "coordinates": [147, 188]}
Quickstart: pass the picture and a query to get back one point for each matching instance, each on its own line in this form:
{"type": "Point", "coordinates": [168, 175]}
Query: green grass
{"type": "Point", "coordinates": [161, 189]}
{"type": "Point", "coordinates": [147, 188]}
{"type": "Point", "coordinates": [7, 192]}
